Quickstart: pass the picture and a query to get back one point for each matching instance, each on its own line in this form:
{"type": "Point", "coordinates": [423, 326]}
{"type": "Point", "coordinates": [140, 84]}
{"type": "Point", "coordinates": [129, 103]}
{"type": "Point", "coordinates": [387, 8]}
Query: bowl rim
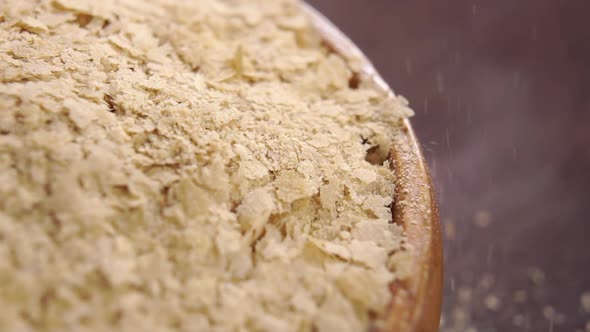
{"type": "Point", "coordinates": [416, 301]}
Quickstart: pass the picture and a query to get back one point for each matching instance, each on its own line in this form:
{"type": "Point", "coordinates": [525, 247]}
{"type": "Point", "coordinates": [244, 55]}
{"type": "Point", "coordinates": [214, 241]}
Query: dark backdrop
{"type": "Point", "coordinates": [501, 91]}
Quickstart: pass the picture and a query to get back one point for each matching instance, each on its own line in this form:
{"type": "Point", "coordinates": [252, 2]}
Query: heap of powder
{"type": "Point", "coordinates": [194, 165]}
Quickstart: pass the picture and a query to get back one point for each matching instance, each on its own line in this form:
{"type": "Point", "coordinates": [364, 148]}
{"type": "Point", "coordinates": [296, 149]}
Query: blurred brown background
{"type": "Point", "coordinates": [501, 91]}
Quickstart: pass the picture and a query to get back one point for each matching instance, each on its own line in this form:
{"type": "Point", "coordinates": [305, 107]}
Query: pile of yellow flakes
{"type": "Point", "coordinates": [194, 165]}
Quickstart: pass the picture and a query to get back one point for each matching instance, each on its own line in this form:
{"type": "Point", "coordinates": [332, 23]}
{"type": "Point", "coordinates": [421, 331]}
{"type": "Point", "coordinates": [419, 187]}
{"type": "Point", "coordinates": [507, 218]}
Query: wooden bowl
{"type": "Point", "coordinates": [416, 301]}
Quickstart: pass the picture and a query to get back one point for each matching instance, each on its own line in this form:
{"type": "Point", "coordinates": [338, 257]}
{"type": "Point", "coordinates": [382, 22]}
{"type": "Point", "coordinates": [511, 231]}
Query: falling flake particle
{"type": "Point", "coordinates": [460, 316]}
{"type": "Point", "coordinates": [520, 296]}
{"type": "Point", "coordinates": [450, 231]}
{"type": "Point", "coordinates": [492, 302]}
{"type": "Point", "coordinates": [483, 219]}
{"type": "Point", "coordinates": [464, 295]}
{"type": "Point", "coordinates": [549, 312]}
{"type": "Point", "coordinates": [537, 276]}
{"type": "Point", "coordinates": [585, 301]}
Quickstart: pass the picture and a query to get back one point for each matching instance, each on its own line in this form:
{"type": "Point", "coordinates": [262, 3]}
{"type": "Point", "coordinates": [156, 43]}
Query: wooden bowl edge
{"type": "Point", "coordinates": [416, 301]}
